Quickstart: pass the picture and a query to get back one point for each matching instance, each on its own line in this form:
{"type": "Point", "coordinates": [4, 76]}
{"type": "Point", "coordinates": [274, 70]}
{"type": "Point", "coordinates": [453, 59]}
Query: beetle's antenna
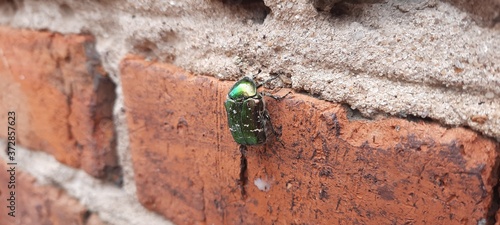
{"type": "Point", "coordinates": [255, 75]}
{"type": "Point", "coordinates": [277, 98]}
{"type": "Point", "coordinates": [267, 81]}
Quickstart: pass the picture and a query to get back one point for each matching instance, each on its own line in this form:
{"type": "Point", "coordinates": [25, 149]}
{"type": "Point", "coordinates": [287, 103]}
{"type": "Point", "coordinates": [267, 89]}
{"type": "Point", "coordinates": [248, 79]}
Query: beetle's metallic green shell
{"type": "Point", "coordinates": [246, 113]}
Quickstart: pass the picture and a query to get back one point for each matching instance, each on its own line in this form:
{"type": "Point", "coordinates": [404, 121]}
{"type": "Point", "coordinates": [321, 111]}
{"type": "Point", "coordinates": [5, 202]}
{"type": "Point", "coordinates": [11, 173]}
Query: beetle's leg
{"type": "Point", "coordinates": [276, 134]}
{"type": "Point", "coordinates": [270, 79]}
{"type": "Point", "coordinates": [277, 98]}
{"type": "Point", "coordinates": [253, 76]}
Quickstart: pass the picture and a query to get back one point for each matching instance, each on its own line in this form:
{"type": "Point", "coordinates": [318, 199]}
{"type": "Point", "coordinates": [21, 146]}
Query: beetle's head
{"type": "Point", "coordinates": [244, 88]}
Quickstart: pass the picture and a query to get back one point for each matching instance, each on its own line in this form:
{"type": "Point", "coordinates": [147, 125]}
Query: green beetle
{"type": "Point", "coordinates": [246, 113]}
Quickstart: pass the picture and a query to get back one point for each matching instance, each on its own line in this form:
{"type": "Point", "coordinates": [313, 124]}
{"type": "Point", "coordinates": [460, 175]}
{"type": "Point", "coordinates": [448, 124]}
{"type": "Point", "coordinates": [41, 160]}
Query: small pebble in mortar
{"type": "Point", "coordinates": [262, 184]}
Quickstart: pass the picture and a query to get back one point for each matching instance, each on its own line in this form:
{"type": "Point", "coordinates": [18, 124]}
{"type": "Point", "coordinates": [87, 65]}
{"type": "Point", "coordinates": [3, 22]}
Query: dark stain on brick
{"type": "Point", "coordinates": [313, 154]}
{"type": "Point", "coordinates": [413, 143]}
{"type": "Point", "coordinates": [454, 154]}
{"type": "Point", "coordinates": [399, 148]}
{"type": "Point", "coordinates": [338, 203]}
{"type": "Point", "coordinates": [385, 193]}
{"type": "Point", "coordinates": [369, 214]}
{"type": "Point", "coordinates": [326, 150]}
{"type": "Point", "coordinates": [220, 204]}
{"type": "Point", "coordinates": [293, 223]}
{"type": "Point", "coordinates": [336, 125]}
{"type": "Point", "coordinates": [326, 172]}
{"type": "Point", "coordinates": [318, 213]}
{"type": "Point", "coordinates": [371, 178]}
{"type": "Point", "coordinates": [431, 143]}
{"type": "Point", "coordinates": [148, 200]}
{"type": "Point", "coordinates": [440, 180]}
{"type": "Point", "coordinates": [154, 158]}
{"type": "Point", "coordinates": [367, 154]}
{"type": "Point", "coordinates": [476, 172]}
{"type": "Point", "coordinates": [357, 210]}
{"type": "Point", "coordinates": [365, 145]}
{"type": "Point", "coordinates": [323, 193]}
{"type": "Point", "coordinates": [182, 125]}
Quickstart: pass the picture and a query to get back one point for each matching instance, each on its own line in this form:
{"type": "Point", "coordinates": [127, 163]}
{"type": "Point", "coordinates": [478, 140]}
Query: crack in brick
{"type": "Point", "coordinates": [85, 216]}
{"type": "Point", "coordinates": [69, 126]}
{"type": "Point", "coordinates": [243, 171]}
{"type": "Point", "coordinates": [5, 62]}
{"type": "Point", "coordinates": [69, 102]}
{"type": "Point", "coordinates": [495, 199]}
{"type": "Point", "coordinates": [205, 210]}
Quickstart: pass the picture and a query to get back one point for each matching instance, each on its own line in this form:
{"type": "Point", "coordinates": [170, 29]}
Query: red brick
{"type": "Point", "coordinates": [497, 217]}
{"type": "Point", "coordinates": [62, 99]}
{"type": "Point", "coordinates": [331, 170]}
{"type": "Point", "coordinates": [40, 204]}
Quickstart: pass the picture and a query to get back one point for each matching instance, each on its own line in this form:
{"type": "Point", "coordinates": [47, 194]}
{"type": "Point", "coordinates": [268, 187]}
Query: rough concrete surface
{"type": "Point", "coordinates": [426, 58]}
{"type": "Point", "coordinates": [328, 168]}
{"type": "Point", "coordinates": [114, 205]}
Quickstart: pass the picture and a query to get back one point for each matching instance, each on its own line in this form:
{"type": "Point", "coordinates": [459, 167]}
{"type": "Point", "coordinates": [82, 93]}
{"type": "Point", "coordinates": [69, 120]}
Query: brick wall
{"type": "Point", "coordinates": [139, 136]}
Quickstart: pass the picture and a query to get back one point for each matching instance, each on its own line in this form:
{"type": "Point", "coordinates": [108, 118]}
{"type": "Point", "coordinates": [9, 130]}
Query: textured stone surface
{"type": "Point", "coordinates": [486, 12]}
{"type": "Point", "coordinates": [403, 57]}
{"type": "Point", "coordinates": [334, 166]}
{"type": "Point", "coordinates": [40, 204]}
{"type": "Point", "coordinates": [61, 96]}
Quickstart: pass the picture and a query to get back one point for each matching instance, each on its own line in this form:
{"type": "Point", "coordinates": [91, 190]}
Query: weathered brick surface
{"type": "Point", "coordinates": [40, 204]}
{"type": "Point", "coordinates": [333, 169]}
{"type": "Point", "coordinates": [62, 99]}
{"type": "Point", "coordinates": [497, 217]}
